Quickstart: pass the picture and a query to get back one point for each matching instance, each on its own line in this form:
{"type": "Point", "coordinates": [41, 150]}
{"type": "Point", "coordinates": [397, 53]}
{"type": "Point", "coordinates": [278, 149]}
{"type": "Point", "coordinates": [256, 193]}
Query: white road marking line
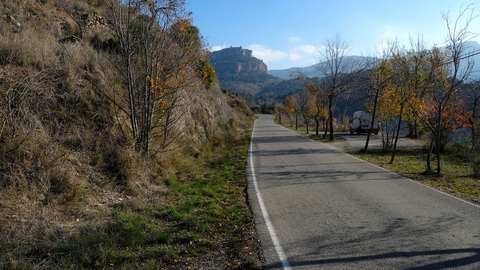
{"type": "Point", "coordinates": [404, 177]}
{"type": "Point", "coordinates": [276, 242]}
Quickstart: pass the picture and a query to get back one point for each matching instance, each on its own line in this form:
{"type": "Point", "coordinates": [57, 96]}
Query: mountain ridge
{"type": "Point", "coordinates": [312, 71]}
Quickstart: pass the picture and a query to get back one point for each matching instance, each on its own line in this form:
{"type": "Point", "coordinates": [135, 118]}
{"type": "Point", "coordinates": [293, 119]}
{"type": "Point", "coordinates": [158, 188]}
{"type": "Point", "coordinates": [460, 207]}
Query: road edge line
{"type": "Point", "coordinates": [266, 217]}
{"type": "Point", "coordinates": [418, 183]}
{"type": "Point", "coordinates": [392, 172]}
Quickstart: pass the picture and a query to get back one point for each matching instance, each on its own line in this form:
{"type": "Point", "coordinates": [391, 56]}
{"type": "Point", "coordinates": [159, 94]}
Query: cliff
{"type": "Point", "coordinates": [239, 71]}
{"type": "Point", "coordinates": [235, 60]}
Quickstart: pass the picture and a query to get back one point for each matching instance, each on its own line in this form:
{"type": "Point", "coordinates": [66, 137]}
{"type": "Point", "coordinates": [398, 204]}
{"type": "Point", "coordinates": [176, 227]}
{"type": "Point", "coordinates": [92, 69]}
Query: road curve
{"type": "Point", "coordinates": [318, 208]}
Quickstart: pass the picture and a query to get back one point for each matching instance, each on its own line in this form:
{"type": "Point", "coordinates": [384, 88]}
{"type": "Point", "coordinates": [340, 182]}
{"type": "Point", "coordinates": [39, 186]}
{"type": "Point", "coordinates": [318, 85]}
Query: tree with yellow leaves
{"type": "Point", "coordinates": [292, 107]}
{"type": "Point", "coordinates": [159, 54]}
{"type": "Point", "coordinates": [315, 105]}
{"type": "Point", "coordinates": [453, 67]}
{"type": "Point", "coordinates": [280, 109]}
{"type": "Point", "coordinates": [303, 99]}
{"type": "Point", "coordinates": [379, 80]}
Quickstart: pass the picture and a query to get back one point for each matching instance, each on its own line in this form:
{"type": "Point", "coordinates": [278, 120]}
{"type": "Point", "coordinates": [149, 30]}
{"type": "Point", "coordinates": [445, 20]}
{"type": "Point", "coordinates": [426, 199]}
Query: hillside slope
{"type": "Point", "coordinates": [70, 177]}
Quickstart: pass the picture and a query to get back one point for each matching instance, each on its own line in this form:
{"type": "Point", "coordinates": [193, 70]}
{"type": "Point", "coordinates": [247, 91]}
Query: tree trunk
{"type": "Point", "coordinates": [330, 116]}
{"type": "Point", "coordinates": [375, 101]}
{"type": "Point", "coordinates": [429, 156]}
{"type": "Point", "coordinates": [437, 136]}
{"type": "Point", "coordinates": [437, 145]}
{"type": "Point", "coordinates": [326, 129]}
{"type": "Point", "coordinates": [438, 158]}
{"type": "Point", "coordinates": [306, 122]}
{"type": "Point", "coordinates": [394, 151]}
{"type": "Point", "coordinates": [296, 120]}
{"type": "Point", "coordinates": [369, 133]}
{"type": "Point", "coordinates": [473, 126]}
{"type": "Point", "coordinates": [415, 129]}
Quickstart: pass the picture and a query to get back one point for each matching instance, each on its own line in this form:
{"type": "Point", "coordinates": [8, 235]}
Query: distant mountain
{"type": "Point", "coordinates": [292, 73]}
{"type": "Point", "coordinates": [472, 48]}
{"type": "Point", "coordinates": [312, 71]}
{"type": "Point", "coordinates": [240, 72]}
{"type": "Point", "coordinates": [282, 88]}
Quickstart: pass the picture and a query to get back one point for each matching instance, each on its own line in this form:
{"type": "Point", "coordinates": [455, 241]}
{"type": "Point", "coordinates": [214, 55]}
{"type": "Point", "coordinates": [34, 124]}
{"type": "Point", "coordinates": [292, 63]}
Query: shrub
{"type": "Point", "coordinates": [472, 153]}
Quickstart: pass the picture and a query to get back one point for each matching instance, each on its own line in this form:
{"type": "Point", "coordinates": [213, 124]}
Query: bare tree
{"type": "Point", "coordinates": [432, 79]}
{"type": "Point", "coordinates": [337, 71]}
{"type": "Point", "coordinates": [155, 56]}
{"type": "Point", "coordinates": [471, 93]}
{"type": "Point", "coordinates": [459, 64]}
{"type": "Point", "coordinates": [408, 68]}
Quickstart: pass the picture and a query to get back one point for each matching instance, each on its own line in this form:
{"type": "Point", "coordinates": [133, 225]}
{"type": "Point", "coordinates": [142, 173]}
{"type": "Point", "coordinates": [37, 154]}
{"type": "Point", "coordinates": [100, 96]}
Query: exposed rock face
{"type": "Point", "coordinates": [252, 66]}
{"type": "Point", "coordinates": [240, 72]}
{"type": "Point", "coordinates": [237, 59]}
{"type": "Point", "coordinates": [233, 51]}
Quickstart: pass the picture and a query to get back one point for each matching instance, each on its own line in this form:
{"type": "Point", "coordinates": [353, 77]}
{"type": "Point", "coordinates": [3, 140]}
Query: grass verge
{"type": "Point", "coordinates": [198, 218]}
{"type": "Point", "coordinates": [205, 221]}
{"type": "Point", "coordinates": [321, 138]}
{"type": "Point", "coordinates": [456, 176]}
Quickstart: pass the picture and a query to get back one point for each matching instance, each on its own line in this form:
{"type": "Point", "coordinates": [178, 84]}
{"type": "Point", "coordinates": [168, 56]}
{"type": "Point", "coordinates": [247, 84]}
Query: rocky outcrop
{"type": "Point", "coordinates": [240, 72]}
{"type": "Point", "coordinates": [252, 66]}
{"type": "Point", "coordinates": [235, 60]}
{"type": "Point", "coordinates": [232, 52]}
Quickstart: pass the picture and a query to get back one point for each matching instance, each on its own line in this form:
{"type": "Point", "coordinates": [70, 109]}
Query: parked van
{"type": "Point", "coordinates": [362, 123]}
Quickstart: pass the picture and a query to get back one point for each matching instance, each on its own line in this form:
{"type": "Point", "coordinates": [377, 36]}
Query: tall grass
{"type": "Point", "coordinates": [73, 192]}
{"type": "Point", "coordinates": [196, 217]}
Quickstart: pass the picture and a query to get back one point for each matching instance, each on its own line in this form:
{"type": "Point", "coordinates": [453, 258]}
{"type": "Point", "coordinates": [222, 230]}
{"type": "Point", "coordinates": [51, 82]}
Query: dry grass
{"type": "Point", "coordinates": [73, 192]}
{"type": "Point", "coordinates": [29, 49]}
{"type": "Point", "coordinates": [137, 219]}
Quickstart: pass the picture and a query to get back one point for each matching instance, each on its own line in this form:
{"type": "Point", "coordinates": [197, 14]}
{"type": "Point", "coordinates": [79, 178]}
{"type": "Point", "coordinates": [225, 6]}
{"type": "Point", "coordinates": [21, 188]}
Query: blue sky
{"type": "Point", "coordinates": [287, 34]}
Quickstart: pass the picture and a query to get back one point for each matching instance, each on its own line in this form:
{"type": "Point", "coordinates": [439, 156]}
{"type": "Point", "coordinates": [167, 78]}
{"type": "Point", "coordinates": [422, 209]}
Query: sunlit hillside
{"type": "Point", "coordinates": [99, 109]}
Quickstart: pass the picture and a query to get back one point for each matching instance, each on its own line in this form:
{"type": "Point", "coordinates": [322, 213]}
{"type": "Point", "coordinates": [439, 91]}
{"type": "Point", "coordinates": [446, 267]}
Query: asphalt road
{"type": "Point", "coordinates": [355, 142]}
{"type": "Point", "coordinates": [318, 208]}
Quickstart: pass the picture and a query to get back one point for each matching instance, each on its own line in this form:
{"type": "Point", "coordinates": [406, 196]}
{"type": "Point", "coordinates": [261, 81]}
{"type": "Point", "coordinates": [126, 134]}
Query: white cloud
{"type": "Point", "coordinates": [301, 55]}
{"type": "Point", "coordinates": [271, 55]}
{"type": "Point", "coordinates": [218, 48]}
{"type": "Point", "coordinates": [266, 54]}
{"type": "Point", "coordinates": [303, 52]}
{"type": "Point", "coordinates": [295, 57]}
{"type": "Point", "coordinates": [305, 49]}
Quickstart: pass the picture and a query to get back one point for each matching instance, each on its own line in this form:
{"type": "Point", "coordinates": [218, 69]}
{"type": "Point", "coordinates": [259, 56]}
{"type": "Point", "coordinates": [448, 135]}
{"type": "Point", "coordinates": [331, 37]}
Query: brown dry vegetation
{"type": "Point", "coordinates": [73, 192]}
